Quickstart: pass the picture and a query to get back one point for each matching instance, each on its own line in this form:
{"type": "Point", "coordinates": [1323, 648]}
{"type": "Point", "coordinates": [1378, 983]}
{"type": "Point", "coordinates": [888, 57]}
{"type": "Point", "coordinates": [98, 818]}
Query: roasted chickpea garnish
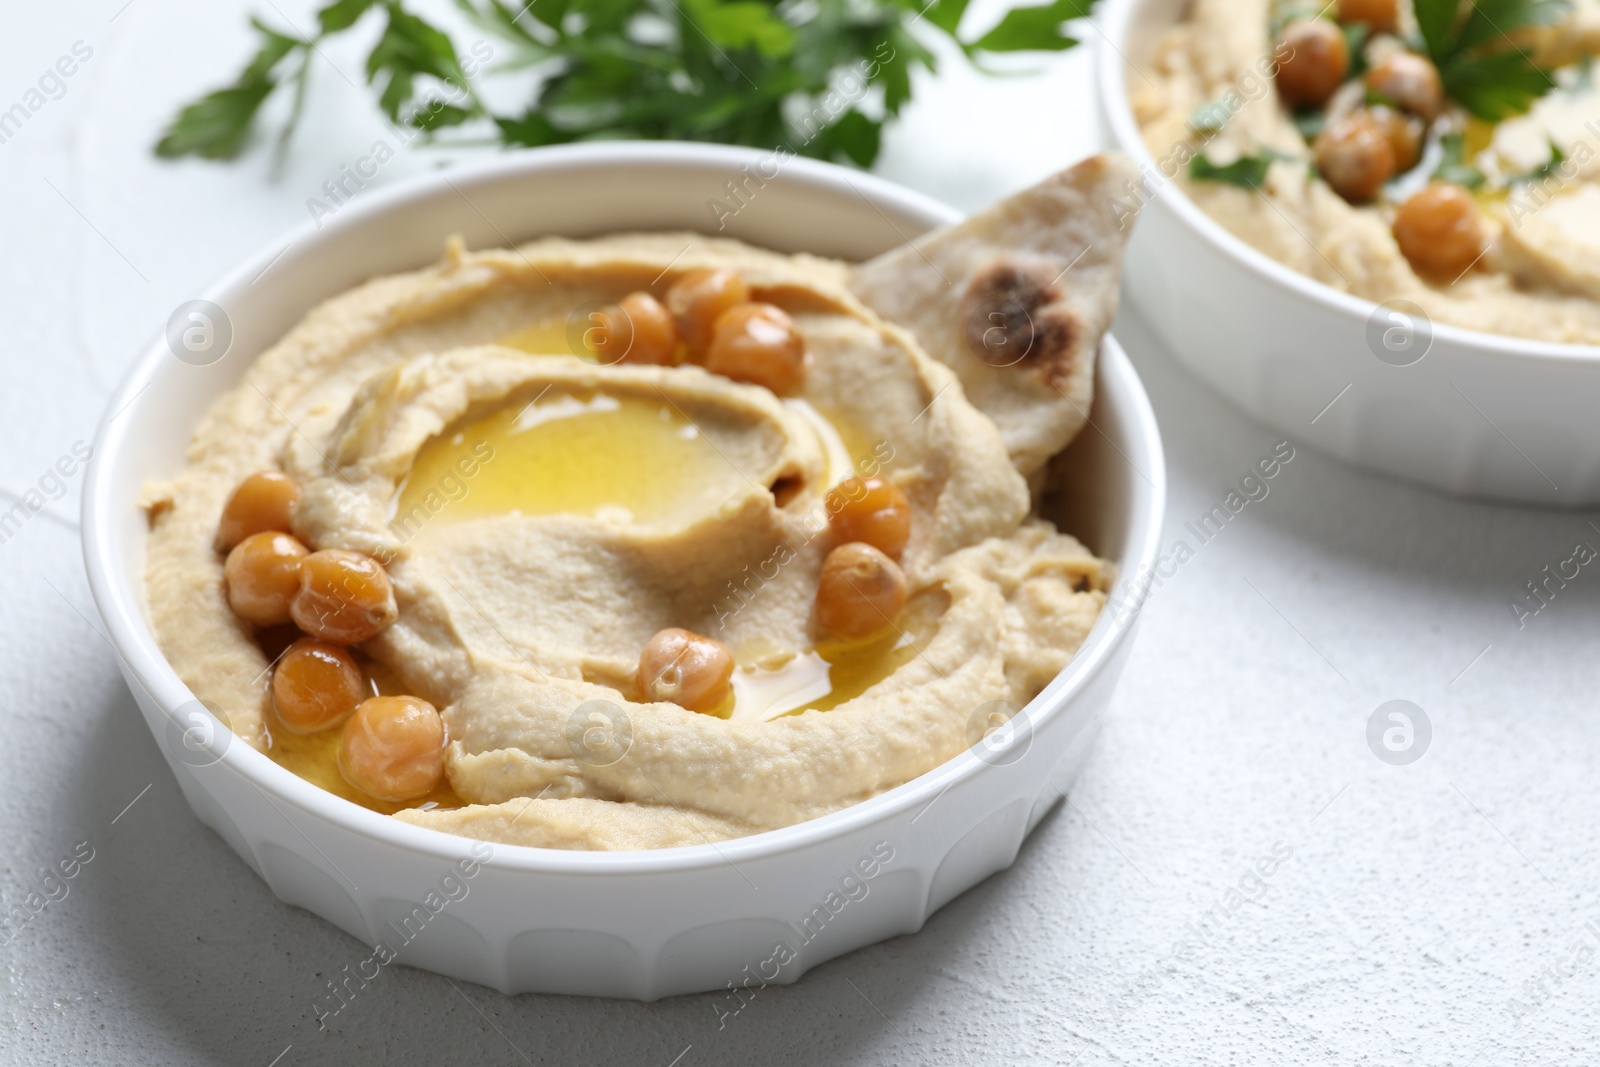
{"type": "Point", "coordinates": [1440, 231]}
{"type": "Point", "coordinates": [860, 592]}
{"type": "Point", "coordinates": [1314, 61]}
{"type": "Point", "coordinates": [686, 669]}
{"type": "Point", "coordinates": [699, 297]}
{"type": "Point", "coordinates": [636, 329]}
{"type": "Point", "coordinates": [344, 597]}
{"type": "Point", "coordinates": [1412, 82]}
{"type": "Point", "coordinates": [1355, 156]}
{"type": "Point", "coordinates": [1404, 133]}
{"type": "Point", "coordinates": [315, 684]}
{"type": "Point", "coordinates": [871, 510]}
{"type": "Point", "coordinates": [262, 502]}
{"type": "Point", "coordinates": [758, 343]}
{"type": "Point", "coordinates": [1382, 15]}
{"type": "Point", "coordinates": [393, 748]}
{"type": "Point", "coordinates": [262, 576]}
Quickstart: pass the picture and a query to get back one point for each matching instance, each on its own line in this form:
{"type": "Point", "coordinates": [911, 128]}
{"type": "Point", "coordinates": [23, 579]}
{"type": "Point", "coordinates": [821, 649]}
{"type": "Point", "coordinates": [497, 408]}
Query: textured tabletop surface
{"type": "Point", "coordinates": [1438, 913]}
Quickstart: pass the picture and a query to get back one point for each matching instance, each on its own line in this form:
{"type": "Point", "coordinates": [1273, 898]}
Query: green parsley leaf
{"type": "Point", "coordinates": [409, 48]}
{"type": "Point", "coordinates": [436, 115]}
{"type": "Point", "coordinates": [855, 136]}
{"type": "Point", "coordinates": [531, 130]}
{"type": "Point", "coordinates": [1034, 28]}
{"type": "Point", "coordinates": [1310, 122]}
{"type": "Point", "coordinates": [1453, 166]}
{"type": "Point", "coordinates": [1247, 172]}
{"type": "Point", "coordinates": [946, 14]}
{"type": "Point", "coordinates": [218, 125]}
{"type": "Point", "coordinates": [275, 48]}
{"type": "Point", "coordinates": [1356, 35]}
{"type": "Point", "coordinates": [742, 24]}
{"type": "Point", "coordinates": [1472, 42]}
{"type": "Point", "coordinates": [819, 77]}
{"type": "Point", "coordinates": [342, 14]}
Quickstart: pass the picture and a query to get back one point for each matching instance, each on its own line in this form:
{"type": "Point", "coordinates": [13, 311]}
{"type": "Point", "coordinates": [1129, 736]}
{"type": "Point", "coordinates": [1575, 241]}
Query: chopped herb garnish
{"type": "Point", "coordinates": [818, 76]}
{"type": "Point", "coordinates": [1310, 122]}
{"type": "Point", "coordinates": [1453, 167]}
{"type": "Point", "coordinates": [1472, 42]}
{"type": "Point", "coordinates": [1247, 172]}
{"type": "Point", "coordinates": [1356, 35]}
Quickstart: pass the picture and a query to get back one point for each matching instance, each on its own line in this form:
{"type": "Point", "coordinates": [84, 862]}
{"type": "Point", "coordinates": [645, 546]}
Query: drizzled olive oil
{"type": "Point", "coordinates": [551, 337]}
{"type": "Point", "coordinates": [624, 457]}
{"type": "Point", "coordinates": [834, 671]}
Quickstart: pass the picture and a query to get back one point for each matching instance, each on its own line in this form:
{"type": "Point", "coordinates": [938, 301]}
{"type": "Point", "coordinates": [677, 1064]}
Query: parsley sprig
{"type": "Point", "coordinates": [1247, 172]}
{"type": "Point", "coordinates": [1454, 165]}
{"type": "Point", "coordinates": [820, 76]}
{"type": "Point", "coordinates": [1474, 43]}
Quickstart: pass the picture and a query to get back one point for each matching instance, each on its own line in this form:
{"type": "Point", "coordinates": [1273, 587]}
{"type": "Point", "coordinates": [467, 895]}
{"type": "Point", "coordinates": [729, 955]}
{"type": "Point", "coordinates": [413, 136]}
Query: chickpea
{"type": "Point", "coordinates": [1314, 60]}
{"type": "Point", "coordinates": [636, 329]}
{"type": "Point", "coordinates": [757, 343]}
{"type": "Point", "coordinates": [1412, 82]}
{"type": "Point", "coordinates": [1404, 133]}
{"type": "Point", "coordinates": [871, 510]}
{"type": "Point", "coordinates": [1355, 156]}
{"type": "Point", "coordinates": [344, 597]}
{"type": "Point", "coordinates": [1382, 15]}
{"type": "Point", "coordinates": [315, 684]}
{"type": "Point", "coordinates": [691, 671]}
{"type": "Point", "coordinates": [262, 502]}
{"type": "Point", "coordinates": [860, 592]}
{"type": "Point", "coordinates": [1440, 231]}
{"type": "Point", "coordinates": [393, 748]}
{"type": "Point", "coordinates": [697, 298]}
{"type": "Point", "coordinates": [262, 575]}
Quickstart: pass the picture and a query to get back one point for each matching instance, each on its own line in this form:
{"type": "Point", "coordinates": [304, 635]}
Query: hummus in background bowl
{"type": "Point", "coordinates": [540, 514]}
{"type": "Point", "coordinates": [1530, 268]}
{"type": "Point", "coordinates": [1384, 273]}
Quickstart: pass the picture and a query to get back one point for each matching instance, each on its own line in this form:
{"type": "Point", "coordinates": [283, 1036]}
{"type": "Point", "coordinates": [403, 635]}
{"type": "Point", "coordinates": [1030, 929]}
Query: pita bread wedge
{"type": "Point", "coordinates": [1015, 300]}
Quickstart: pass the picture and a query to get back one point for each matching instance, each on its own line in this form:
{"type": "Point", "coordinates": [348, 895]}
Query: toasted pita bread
{"type": "Point", "coordinates": [1015, 300]}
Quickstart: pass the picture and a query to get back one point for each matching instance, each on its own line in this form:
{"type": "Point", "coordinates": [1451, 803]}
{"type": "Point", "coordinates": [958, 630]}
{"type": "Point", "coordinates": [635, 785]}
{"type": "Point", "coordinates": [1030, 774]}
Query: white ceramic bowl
{"type": "Point", "coordinates": [637, 924]}
{"type": "Point", "coordinates": [1477, 414]}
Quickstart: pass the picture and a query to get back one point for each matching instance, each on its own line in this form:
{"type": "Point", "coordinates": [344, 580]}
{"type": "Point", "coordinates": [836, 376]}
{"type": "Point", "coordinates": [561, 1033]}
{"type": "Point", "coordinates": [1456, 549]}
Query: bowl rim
{"type": "Point", "coordinates": [118, 593]}
{"type": "Point", "coordinates": [1117, 18]}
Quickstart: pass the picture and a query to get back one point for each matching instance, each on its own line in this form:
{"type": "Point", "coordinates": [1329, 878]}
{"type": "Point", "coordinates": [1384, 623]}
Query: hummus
{"type": "Point", "coordinates": [541, 516]}
{"type": "Point", "coordinates": [1539, 276]}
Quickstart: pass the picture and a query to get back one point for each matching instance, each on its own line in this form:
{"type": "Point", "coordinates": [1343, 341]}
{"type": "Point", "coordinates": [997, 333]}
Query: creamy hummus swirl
{"type": "Point", "coordinates": [524, 627]}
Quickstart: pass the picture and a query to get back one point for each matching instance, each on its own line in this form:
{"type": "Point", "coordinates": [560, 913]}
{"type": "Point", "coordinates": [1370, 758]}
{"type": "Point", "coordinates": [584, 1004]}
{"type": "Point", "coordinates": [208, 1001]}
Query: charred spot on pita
{"type": "Point", "coordinates": [1012, 314]}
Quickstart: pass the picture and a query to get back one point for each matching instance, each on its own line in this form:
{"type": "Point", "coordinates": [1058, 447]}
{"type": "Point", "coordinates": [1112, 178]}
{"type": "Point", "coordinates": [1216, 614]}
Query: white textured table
{"type": "Point", "coordinates": [1439, 913]}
